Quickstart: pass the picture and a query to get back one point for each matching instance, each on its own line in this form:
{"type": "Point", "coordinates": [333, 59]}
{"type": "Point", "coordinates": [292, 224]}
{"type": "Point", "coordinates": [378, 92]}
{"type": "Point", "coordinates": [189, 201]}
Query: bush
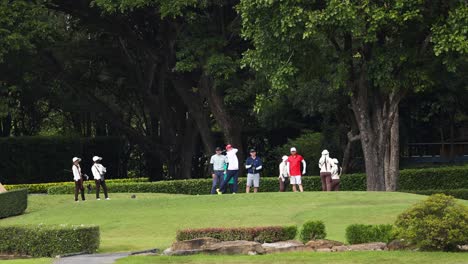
{"type": "Point", "coordinates": [358, 233]}
{"type": "Point", "coordinates": [438, 223]}
{"type": "Point", "coordinates": [41, 159]}
{"type": "Point", "coordinates": [312, 230]}
{"type": "Point", "coordinates": [43, 187]}
{"type": "Point", "coordinates": [13, 202]}
{"type": "Point", "coordinates": [442, 178]}
{"type": "Point", "coordinates": [457, 193]}
{"type": "Point", "coordinates": [48, 241]}
{"type": "Point", "coordinates": [266, 234]}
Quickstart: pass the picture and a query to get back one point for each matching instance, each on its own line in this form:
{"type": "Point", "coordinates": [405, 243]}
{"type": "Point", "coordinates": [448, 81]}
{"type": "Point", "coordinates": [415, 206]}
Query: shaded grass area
{"type": "Point", "coordinates": [381, 257]}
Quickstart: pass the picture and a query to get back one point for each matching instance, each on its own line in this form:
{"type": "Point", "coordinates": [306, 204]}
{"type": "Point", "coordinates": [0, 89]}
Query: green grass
{"type": "Point", "coordinates": [381, 257]}
{"type": "Point", "coordinates": [151, 220]}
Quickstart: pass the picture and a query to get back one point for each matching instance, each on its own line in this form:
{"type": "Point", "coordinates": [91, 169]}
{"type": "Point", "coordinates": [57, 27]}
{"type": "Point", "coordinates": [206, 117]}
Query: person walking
{"type": "Point", "coordinates": [294, 163]}
{"type": "Point", "coordinates": [99, 171]}
{"type": "Point", "coordinates": [325, 165]}
{"type": "Point", "coordinates": [232, 170]}
{"type": "Point", "coordinates": [254, 165]}
{"type": "Point", "coordinates": [78, 178]}
{"type": "Point", "coordinates": [218, 162]}
{"type": "Point", "coordinates": [283, 174]}
{"type": "Point", "coordinates": [335, 176]}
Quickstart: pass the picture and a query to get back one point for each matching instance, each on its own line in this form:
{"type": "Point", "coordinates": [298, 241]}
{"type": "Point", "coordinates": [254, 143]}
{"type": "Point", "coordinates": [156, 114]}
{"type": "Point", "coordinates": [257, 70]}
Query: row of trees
{"type": "Point", "coordinates": [173, 75]}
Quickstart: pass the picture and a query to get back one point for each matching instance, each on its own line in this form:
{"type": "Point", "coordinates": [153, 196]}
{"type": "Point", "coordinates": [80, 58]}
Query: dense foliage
{"type": "Point", "coordinates": [438, 223]}
{"type": "Point", "coordinates": [312, 230]}
{"type": "Point", "coordinates": [48, 241]}
{"type": "Point", "coordinates": [267, 234]}
{"type": "Point", "coordinates": [13, 202]}
{"type": "Point", "coordinates": [359, 233]}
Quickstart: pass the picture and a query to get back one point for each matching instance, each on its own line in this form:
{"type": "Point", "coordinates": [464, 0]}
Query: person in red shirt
{"type": "Point", "coordinates": [294, 164]}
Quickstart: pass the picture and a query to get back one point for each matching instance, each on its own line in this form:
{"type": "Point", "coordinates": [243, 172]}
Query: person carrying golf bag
{"type": "Point", "coordinates": [78, 178]}
{"type": "Point", "coordinates": [99, 172]}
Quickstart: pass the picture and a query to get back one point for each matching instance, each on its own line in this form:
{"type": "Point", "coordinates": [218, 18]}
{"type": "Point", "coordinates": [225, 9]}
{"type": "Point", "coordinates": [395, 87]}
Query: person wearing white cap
{"type": "Point", "coordinates": [283, 174]}
{"type": "Point", "coordinates": [99, 172]}
{"type": "Point", "coordinates": [78, 178]}
{"type": "Point", "coordinates": [335, 176]}
{"type": "Point", "coordinates": [294, 164]}
{"type": "Point", "coordinates": [325, 165]}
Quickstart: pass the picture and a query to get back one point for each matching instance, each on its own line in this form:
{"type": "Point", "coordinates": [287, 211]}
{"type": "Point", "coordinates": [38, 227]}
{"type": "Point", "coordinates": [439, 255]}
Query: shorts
{"type": "Point", "coordinates": [295, 180]}
{"type": "Point", "coordinates": [253, 179]}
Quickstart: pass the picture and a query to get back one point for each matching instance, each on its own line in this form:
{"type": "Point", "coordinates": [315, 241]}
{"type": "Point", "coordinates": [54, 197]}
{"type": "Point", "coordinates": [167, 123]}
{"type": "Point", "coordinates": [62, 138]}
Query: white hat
{"type": "Point", "coordinates": [284, 158]}
{"type": "Point", "coordinates": [325, 152]}
{"type": "Point", "coordinates": [293, 149]}
{"type": "Point", "coordinates": [335, 161]}
{"type": "Point", "coordinates": [96, 158]}
{"type": "Point", "coordinates": [75, 159]}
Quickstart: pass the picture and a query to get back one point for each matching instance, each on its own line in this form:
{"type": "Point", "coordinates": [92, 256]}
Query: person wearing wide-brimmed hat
{"type": "Point", "coordinates": [283, 174]}
{"type": "Point", "coordinates": [335, 176]}
{"type": "Point", "coordinates": [325, 165]}
{"type": "Point", "coordinates": [78, 178]}
{"type": "Point", "coordinates": [99, 172]}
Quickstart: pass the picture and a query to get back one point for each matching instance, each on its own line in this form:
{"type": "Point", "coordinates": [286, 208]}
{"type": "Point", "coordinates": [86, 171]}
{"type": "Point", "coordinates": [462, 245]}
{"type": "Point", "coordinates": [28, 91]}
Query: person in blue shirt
{"type": "Point", "coordinates": [254, 165]}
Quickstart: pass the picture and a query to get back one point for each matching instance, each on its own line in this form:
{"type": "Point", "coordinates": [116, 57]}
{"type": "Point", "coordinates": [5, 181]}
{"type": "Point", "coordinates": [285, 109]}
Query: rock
{"type": "Point", "coordinates": [170, 252]}
{"type": "Point", "coordinates": [234, 247]}
{"type": "Point", "coordinates": [197, 243]}
{"type": "Point", "coordinates": [283, 246]}
{"type": "Point", "coordinates": [398, 244]}
{"type": "Point", "coordinates": [322, 243]}
{"type": "Point", "coordinates": [339, 248]}
{"type": "Point", "coordinates": [368, 246]}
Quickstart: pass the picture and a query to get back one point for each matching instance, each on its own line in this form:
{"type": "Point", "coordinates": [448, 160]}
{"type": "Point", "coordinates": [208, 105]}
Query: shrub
{"type": "Point", "coordinates": [358, 233]}
{"type": "Point", "coordinates": [43, 187]}
{"type": "Point", "coordinates": [13, 202]}
{"type": "Point", "coordinates": [433, 178]}
{"type": "Point", "coordinates": [438, 223]}
{"type": "Point", "coordinates": [48, 241]}
{"type": "Point", "coordinates": [312, 230]}
{"type": "Point", "coordinates": [266, 234]}
{"type": "Point", "coordinates": [457, 193]}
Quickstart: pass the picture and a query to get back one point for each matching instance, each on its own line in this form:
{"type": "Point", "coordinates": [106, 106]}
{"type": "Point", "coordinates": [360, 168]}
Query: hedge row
{"type": "Point", "coordinates": [441, 178]}
{"type": "Point", "coordinates": [43, 187]}
{"type": "Point", "coordinates": [266, 234]}
{"type": "Point", "coordinates": [358, 233]}
{"type": "Point", "coordinates": [48, 241]}
{"type": "Point", "coordinates": [203, 186]}
{"type": "Point", "coordinates": [13, 202]}
{"type": "Point", "coordinates": [457, 193]}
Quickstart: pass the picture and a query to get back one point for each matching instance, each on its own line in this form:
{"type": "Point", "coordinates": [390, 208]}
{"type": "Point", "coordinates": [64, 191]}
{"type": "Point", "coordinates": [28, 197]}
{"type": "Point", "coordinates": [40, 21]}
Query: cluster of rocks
{"type": "Point", "coordinates": [209, 245]}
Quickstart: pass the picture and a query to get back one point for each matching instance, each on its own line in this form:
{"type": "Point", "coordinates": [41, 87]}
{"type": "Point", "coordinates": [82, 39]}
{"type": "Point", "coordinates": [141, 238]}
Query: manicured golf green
{"type": "Point", "coordinates": [382, 257]}
{"type": "Point", "coordinates": [151, 220]}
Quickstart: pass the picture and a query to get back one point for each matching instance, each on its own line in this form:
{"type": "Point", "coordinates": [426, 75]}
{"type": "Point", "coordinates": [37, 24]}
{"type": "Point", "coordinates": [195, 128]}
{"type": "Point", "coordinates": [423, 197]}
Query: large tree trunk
{"type": "Point", "coordinates": [392, 159]}
{"type": "Point", "coordinates": [375, 113]}
{"type": "Point", "coordinates": [352, 137]}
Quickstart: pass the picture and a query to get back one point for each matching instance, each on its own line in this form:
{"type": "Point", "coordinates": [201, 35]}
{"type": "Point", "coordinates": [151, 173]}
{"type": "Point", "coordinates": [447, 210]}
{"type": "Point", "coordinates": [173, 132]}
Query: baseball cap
{"type": "Point", "coordinates": [293, 149]}
{"type": "Point", "coordinates": [253, 150]}
{"type": "Point", "coordinates": [75, 159]}
{"type": "Point", "coordinates": [335, 161]}
{"type": "Point", "coordinates": [96, 158]}
{"type": "Point", "coordinates": [228, 146]}
{"type": "Point", "coordinates": [218, 149]}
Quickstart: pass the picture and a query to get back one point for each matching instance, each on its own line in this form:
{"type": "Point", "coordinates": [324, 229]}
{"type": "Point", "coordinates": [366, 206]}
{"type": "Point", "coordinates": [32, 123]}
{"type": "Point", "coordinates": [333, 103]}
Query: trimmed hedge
{"type": "Point", "coordinates": [312, 230]}
{"type": "Point", "coordinates": [457, 193]}
{"type": "Point", "coordinates": [40, 159]}
{"type": "Point", "coordinates": [358, 233]}
{"type": "Point", "coordinates": [43, 187]}
{"type": "Point", "coordinates": [441, 178]}
{"type": "Point", "coordinates": [48, 241]}
{"type": "Point", "coordinates": [267, 234]}
{"type": "Point", "coordinates": [13, 202]}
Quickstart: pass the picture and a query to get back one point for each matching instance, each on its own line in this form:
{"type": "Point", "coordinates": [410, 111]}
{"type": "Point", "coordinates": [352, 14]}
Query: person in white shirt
{"type": "Point", "coordinates": [232, 170]}
{"type": "Point", "coordinates": [99, 172]}
{"type": "Point", "coordinates": [335, 176]}
{"type": "Point", "coordinates": [78, 178]}
{"type": "Point", "coordinates": [325, 165]}
{"type": "Point", "coordinates": [283, 174]}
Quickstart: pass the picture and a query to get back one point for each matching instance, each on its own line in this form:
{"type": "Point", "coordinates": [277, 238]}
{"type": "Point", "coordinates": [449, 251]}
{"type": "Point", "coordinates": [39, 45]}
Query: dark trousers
{"type": "Point", "coordinates": [100, 183]}
{"type": "Point", "coordinates": [335, 185]}
{"type": "Point", "coordinates": [326, 181]}
{"type": "Point", "coordinates": [217, 181]}
{"type": "Point", "coordinates": [283, 184]}
{"type": "Point", "coordinates": [79, 188]}
{"type": "Point", "coordinates": [231, 174]}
